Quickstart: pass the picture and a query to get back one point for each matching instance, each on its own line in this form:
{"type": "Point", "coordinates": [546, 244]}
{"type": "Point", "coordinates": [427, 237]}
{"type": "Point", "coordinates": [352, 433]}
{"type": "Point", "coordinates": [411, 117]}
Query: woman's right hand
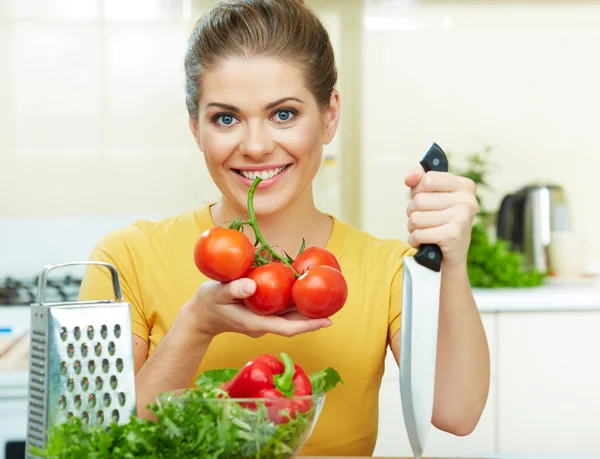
{"type": "Point", "coordinates": [218, 307]}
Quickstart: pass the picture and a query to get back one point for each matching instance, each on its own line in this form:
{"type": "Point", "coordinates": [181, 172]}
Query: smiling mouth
{"type": "Point", "coordinates": [265, 174]}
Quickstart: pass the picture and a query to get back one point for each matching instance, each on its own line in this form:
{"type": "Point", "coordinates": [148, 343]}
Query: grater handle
{"type": "Point", "coordinates": [44, 278]}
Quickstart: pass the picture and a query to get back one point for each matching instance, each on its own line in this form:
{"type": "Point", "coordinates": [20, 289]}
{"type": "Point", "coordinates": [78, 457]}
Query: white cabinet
{"type": "Point", "coordinates": [544, 393]}
{"type": "Point", "coordinates": [549, 382]}
{"type": "Point", "coordinates": [392, 439]}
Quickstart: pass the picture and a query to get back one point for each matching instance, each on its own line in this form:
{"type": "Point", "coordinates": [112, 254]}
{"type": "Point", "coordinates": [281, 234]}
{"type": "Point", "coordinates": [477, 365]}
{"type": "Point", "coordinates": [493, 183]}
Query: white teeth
{"type": "Point", "coordinates": [265, 175]}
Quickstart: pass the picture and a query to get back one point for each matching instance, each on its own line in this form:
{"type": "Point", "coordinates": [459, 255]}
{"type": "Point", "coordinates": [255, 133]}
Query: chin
{"type": "Point", "coordinates": [267, 206]}
{"type": "Point", "coordinates": [267, 202]}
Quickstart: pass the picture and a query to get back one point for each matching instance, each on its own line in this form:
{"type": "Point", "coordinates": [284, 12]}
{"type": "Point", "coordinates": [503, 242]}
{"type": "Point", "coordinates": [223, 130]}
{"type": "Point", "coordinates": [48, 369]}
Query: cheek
{"type": "Point", "coordinates": [305, 143]}
{"type": "Point", "coordinates": [216, 148]}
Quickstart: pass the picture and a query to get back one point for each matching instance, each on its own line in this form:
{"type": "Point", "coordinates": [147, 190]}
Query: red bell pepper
{"type": "Point", "coordinates": [267, 377]}
{"type": "Point", "coordinates": [255, 376]}
{"type": "Point", "coordinates": [280, 403]}
{"type": "Point", "coordinates": [302, 387]}
{"type": "Point", "coordinates": [273, 362]}
{"type": "Point", "coordinates": [250, 380]}
{"type": "Point", "coordinates": [295, 382]}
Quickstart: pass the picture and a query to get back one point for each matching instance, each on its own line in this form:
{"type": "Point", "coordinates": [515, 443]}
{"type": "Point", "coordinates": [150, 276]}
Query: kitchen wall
{"type": "Point", "coordinates": [93, 121]}
{"type": "Point", "coordinates": [93, 125]}
{"type": "Point", "coordinates": [521, 77]}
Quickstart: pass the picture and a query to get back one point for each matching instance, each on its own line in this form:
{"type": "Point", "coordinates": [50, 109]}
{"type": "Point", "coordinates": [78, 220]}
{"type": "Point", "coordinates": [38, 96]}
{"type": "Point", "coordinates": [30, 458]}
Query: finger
{"type": "Point", "coordinates": [280, 326]}
{"type": "Point", "coordinates": [294, 315]}
{"type": "Point", "coordinates": [226, 292]}
{"type": "Point", "coordinates": [444, 182]}
{"type": "Point", "coordinates": [414, 176]}
{"type": "Point", "coordinates": [430, 201]}
{"type": "Point", "coordinates": [441, 200]}
{"type": "Point", "coordinates": [429, 219]}
{"type": "Point", "coordinates": [425, 236]}
{"type": "Point", "coordinates": [286, 310]}
{"type": "Point", "coordinates": [443, 236]}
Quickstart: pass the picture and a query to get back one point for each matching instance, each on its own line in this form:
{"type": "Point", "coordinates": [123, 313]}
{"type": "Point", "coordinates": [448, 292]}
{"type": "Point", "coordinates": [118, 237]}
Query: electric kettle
{"type": "Point", "coordinates": [527, 218]}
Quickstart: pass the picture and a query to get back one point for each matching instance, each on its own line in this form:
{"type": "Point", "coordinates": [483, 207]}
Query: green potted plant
{"type": "Point", "coordinates": [491, 263]}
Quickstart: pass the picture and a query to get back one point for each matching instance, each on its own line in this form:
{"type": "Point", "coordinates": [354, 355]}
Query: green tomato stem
{"type": "Point", "coordinates": [254, 225]}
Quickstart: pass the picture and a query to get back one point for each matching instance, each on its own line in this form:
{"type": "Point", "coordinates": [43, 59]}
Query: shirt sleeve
{"type": "Point", "coordinates": [395, 308]}
{"type": "Point", "coordinates": [97, 280]}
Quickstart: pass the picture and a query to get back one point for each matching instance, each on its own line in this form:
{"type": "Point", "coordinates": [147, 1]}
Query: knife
{"type": "Point", "coordinates": [422, 275]}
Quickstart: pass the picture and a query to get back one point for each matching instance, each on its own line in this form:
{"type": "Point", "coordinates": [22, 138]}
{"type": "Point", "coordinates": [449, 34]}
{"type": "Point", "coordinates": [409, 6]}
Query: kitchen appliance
{"type": "Point", "coordinates": [81, 360]}
{"type": "Point", "coordinates": [16, 295]}
{"type": "Point", "coordinates": [527, 219]}
{"type": "Point", "coordinates": [419, 329]}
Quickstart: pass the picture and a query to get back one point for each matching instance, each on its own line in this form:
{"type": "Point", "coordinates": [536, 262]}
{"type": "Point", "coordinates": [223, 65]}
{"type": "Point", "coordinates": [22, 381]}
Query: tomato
{"type": "Point", "coordinates": [223, 254]}
{"type": "Point", "coordinates": [274, 284]}
{"type": "Point", "coordinates": [315, 256]}
{"type": "Point", "coordinates": [320, 292]}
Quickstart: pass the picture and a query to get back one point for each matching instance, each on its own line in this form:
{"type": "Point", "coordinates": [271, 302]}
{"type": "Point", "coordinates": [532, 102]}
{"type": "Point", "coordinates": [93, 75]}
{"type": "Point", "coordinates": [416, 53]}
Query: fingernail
{"type": "Point", "coordinates": [248, 287]}
{"type": "Point", "coordinates": [327, 324]}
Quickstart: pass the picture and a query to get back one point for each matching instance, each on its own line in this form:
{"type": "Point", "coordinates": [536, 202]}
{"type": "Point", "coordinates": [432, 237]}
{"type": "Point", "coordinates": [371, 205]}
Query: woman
{"type": "Point", "coordinates": [260, 82]}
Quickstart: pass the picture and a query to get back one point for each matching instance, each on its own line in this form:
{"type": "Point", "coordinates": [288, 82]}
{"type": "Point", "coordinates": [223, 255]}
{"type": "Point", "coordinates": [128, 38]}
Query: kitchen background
{"type": "Point", "coordinates": [94, 134]}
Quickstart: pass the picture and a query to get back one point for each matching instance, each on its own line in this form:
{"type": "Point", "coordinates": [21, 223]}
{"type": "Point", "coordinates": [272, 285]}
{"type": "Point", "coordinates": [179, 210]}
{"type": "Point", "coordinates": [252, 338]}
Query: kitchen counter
{"type": "Point", "coordinates": [578, 295]}
{"type": "Point", "coordinates": [500, 456]}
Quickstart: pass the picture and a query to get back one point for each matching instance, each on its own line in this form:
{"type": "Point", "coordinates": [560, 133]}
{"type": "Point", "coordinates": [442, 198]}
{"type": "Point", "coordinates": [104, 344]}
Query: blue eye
{"type": "Point", "coordinates": [224, 120]}
{"type": "Point", "coordinates": [285, 115]}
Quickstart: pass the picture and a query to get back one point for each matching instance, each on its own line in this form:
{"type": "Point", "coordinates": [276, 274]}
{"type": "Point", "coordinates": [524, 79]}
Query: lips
{"type": "Point", "coordinates": [270, 175]}
{"type": "Point", "coordinates": [264, 174]}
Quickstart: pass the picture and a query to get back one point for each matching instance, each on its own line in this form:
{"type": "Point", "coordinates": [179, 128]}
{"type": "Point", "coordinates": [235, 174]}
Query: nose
{"type": "Point", "coordinates": [258, 141]}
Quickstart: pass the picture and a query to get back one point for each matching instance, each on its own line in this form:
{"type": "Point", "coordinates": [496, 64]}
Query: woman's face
{"type": "Point", "coordinates": [256, 117]}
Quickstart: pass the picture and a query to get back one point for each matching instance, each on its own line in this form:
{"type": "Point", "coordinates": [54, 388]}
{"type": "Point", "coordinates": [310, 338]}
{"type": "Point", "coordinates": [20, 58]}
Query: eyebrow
{"type": "Point", "coordinates": [269, 106]}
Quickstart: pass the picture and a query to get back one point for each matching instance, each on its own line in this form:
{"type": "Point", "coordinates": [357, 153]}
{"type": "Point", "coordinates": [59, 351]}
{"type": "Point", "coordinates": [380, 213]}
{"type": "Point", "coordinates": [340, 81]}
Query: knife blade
{"type": "Point", "coordinates": [422, 276]}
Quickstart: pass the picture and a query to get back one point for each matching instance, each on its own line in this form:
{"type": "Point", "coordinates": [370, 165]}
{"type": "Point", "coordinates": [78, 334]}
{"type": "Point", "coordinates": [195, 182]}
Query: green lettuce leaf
{"type": "Point", "coordinates": [325, 380]}
{"type": "Point", "coordinates": [192, 425]}
{"type": "Point", "coordinates": [211, 379]}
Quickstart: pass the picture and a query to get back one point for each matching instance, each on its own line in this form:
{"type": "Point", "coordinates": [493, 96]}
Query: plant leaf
{"type": "Point", "coordinates": [290, 259]}
{"type": "Point", "coordinates": [325, 380]}
{"type": "Point", "coordinates": [213, 378]}
{"type": "Point", "coordinates": [302, 247]}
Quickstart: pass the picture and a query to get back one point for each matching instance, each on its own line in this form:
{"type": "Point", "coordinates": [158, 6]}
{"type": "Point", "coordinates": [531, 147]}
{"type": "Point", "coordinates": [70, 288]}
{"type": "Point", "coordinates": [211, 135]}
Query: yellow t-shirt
{"type": "Point", "coordinates": [158, 275]}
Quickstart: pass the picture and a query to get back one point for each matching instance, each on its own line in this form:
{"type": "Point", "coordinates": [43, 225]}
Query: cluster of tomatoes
{"type": "Point", "coordinates": [312, 282]}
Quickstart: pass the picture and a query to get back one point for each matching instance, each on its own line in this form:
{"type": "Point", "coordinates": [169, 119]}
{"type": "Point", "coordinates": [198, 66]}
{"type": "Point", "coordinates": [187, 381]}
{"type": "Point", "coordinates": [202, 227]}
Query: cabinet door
{"type": "Point", "coordinates": [549, 382]}
{"type": "Point", "coordinates": [393, 440]}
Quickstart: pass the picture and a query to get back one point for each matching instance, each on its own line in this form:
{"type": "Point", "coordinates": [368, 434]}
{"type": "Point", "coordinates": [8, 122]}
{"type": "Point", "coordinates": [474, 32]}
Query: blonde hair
{"type": "Point", "coordinates": [283, 29]}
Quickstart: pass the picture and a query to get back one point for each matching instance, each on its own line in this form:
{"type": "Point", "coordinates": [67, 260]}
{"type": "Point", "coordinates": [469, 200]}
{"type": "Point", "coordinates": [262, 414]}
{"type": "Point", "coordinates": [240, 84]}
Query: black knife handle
{"type": "Point", "coordinates": [430, 255]}
{"type": "Point", "coordinates": [435, 159]}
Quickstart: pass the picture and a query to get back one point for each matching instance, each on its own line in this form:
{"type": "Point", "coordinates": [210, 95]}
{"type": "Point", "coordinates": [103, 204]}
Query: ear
{"type": "Point", "coordinates": [195, 132]}
{"type": "Point", "coordinates": [332, 116]}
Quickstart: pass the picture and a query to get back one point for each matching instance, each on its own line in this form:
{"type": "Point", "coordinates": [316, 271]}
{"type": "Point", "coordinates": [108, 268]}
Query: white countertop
{"type": "Point", "coordinates": [577, 295]}
{"type": "Point", "coordinates": [13, 384]}
{"type": "Point", "coordinates": [546, 456]}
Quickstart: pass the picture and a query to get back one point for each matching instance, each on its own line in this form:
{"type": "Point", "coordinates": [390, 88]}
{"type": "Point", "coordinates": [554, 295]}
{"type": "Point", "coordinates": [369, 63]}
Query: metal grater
{"type": "Point", "coordinates": [81, 360]}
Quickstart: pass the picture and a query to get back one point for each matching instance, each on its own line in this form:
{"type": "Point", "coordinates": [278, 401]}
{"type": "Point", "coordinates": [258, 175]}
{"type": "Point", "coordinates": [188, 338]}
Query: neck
{"type": "Point", "coordinates": [285, 229]}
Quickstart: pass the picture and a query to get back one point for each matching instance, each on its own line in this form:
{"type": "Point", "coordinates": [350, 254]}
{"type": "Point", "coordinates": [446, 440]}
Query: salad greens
{"type": "Point", "coordinates": [192, 424]}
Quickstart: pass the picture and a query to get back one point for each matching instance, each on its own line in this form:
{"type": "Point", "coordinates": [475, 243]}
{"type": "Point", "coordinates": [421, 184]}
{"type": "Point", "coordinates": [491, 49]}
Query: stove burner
{"type": "Point", "coordinates": [14, 292]}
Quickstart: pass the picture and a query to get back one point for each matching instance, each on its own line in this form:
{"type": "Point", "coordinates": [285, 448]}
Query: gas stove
{"type": "Point", "coordinates": [23, 291]}
{"type": "Point", "coordinates": [16, 295]}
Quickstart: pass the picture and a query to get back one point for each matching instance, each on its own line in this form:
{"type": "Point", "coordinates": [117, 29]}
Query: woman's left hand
{"type": "Point", "coordinates": [441, 211]}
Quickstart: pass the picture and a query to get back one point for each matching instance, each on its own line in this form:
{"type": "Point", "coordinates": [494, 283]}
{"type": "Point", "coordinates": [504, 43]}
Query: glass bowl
{"type": "Point", "coordinates": [240, 427]}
